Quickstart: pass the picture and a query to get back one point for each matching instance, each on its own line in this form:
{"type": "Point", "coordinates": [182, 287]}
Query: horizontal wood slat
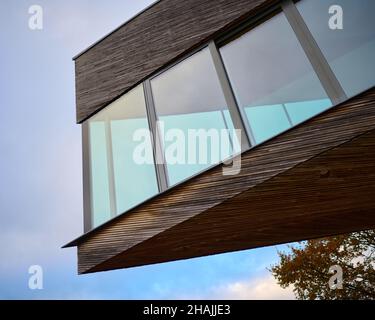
{"type": "Point", "coordinates": [331, 194]}
{"type": "Point", "coordinates": [156, 37]}
{"type": "Point", "coordinates": [147, 233]}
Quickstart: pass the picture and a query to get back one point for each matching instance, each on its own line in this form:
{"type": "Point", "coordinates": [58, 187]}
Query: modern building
{"type": "Point", "coordinates": [295, 79]}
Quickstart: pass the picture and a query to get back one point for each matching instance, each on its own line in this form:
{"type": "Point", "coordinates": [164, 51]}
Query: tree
{"type": "Point", "coordinates": [306, 267]}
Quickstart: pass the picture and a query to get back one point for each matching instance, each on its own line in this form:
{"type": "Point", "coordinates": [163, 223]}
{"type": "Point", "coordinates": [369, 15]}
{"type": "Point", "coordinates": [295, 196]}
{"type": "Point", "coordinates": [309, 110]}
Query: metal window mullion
{"type": "Point", "coordinates": [239, 119]}
{"type": "Point", "coordinates": [312, 50]}
{"type": "Point", "coordinates": [157, 145]}
{"type": "Point", "coordinates": [287, 114]}
{"type": "Point", "coordinates": [86, 178]}
{"type": "Point", "coordinates": [231, 138]}
{"type": "Point", "coordinates": [110, 168]}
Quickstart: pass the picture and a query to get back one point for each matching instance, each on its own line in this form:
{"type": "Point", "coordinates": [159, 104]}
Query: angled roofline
{"type": "Point", "coordinates": [116, 29]}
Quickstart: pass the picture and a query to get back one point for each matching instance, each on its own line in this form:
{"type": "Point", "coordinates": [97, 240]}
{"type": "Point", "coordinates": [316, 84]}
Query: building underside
{"type": "Point", "coordinates": [315, 180]}
{"type": "Point", "coordinates": [298, 89]}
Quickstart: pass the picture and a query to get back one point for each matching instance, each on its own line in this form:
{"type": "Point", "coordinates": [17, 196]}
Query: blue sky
{"type": "Point", "coordinates": [40, 171]}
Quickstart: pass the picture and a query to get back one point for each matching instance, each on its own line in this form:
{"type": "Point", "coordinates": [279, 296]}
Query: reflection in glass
{"type": "Point", "coordinates": [350, 51]}
{"type": "Point", "coordinates": [272, 78]}
{"type": "Point", "coordinates": [188, 96]}
{"type": "Point", "coordinates": [117, 181]}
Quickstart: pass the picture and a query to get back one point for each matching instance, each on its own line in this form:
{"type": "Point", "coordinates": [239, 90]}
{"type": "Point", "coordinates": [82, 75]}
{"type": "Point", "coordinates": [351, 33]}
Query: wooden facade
{"type": "Point", "coordinates": [315, 180]}
{"type": "Point", "coordinates": [145, 44]}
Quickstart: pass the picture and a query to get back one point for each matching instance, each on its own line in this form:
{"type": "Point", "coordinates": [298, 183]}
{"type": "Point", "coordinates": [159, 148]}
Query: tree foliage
{"type": "Point", "coordinates": [306, 267]}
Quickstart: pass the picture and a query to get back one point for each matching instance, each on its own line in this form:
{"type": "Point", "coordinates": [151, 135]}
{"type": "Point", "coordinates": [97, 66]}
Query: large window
{"type": "Point", "coordinates": [350, 51]}
{"type": "Point", "coordinates": [272, 78]}
{"type": "Point", "coordinates": [188, 97]}
{"type": "Point", "coordinates": [118, 180]}
{"type": "Point", "coordinates": [267, 78]}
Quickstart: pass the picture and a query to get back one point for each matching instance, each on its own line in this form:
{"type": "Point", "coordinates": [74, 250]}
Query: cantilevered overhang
{"type": "Point", "coordinates": [318, 179]}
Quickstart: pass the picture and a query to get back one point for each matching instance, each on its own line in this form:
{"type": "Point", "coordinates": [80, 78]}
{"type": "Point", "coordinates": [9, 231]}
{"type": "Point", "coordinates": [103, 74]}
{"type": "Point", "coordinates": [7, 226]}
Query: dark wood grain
{"type": "Point", "coordinates": [314, 180]}
{"type": "Point", "coordinates": [331, 194]}
{"type": "Point", "coordinates": [145, 44]}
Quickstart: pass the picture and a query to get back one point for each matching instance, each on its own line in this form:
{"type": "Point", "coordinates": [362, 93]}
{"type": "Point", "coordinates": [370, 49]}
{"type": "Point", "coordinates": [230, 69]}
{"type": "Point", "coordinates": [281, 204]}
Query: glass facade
{"type": "Point", "coordinates": [270, 86]}
{"type": "Point", "coordinates": [350, 51]}
{"type": "Point", "coordinates": [188, 97]}
{"type": "Point", "coordinates": [118, 180]}
{"type": "Point", "coordinates": [272, 78]}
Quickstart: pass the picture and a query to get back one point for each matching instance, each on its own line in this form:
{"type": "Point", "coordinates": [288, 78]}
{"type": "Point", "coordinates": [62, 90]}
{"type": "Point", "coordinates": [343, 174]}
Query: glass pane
{"type": "Point", "coordinates": [101, 208]}
{"type": "Point", "coordinates": [188, 97]}
{"type": "Point", "coordinates": [350, 51]}
{"type": "Point", "coordinates": [272, 78]}
{"type": "Point", "coordinates": [118, 180]}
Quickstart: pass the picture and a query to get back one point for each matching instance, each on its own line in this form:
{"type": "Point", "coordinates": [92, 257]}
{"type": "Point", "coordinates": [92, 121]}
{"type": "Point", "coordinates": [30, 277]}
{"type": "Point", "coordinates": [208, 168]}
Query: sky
{"type": "Point", "coordinates": [41, 175]}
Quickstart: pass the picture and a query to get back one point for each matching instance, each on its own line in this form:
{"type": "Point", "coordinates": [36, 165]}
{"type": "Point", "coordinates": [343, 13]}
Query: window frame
{"type": "Point", "coordinates": [328, 80]}
{"type": "Point", "coordinates": [226, 88]}
{"type": "Point", "coordinates": [88, 217]}
{"type": "Point", "coordinates": [314, 54]}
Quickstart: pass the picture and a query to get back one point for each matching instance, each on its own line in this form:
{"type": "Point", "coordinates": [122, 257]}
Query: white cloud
{"type": "Point", "coordinates": [262, 288]}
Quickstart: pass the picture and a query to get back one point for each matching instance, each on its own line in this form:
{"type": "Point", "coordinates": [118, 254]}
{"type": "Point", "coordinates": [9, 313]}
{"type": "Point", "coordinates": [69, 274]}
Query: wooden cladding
{"type": "Point", "coordinates": [315, 180]}
{"type": "Point", "coordinates": [145, 44]}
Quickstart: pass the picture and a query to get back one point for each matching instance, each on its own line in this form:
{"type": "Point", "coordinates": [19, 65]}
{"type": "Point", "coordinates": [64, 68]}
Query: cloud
{"type": "Point", "coordinates": [263, 288]}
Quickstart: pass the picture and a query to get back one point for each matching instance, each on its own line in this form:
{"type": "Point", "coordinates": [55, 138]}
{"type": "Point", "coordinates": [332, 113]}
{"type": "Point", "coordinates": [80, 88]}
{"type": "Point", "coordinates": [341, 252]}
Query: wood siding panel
{"type": "Point", "coordinates": [330, 194]}
{"type": "Point", "coordinates": [153, 39]}
{"type": "Point", "coordinates": [207, 191]}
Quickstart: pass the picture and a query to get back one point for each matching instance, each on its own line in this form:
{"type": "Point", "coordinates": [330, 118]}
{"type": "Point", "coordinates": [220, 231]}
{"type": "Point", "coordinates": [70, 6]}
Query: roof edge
{"type": "Point", "coordinates": [116, 29]}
